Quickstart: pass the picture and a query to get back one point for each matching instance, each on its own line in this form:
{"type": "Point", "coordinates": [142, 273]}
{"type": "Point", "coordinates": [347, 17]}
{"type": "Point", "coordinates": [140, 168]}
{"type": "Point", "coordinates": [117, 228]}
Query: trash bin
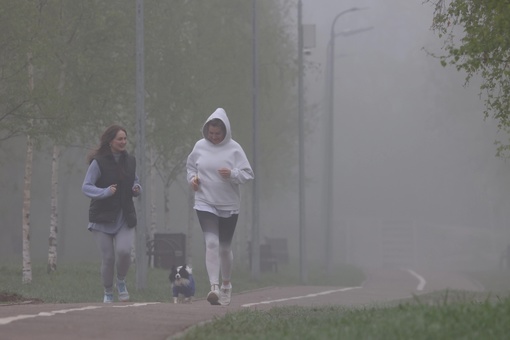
{"type": "Point", "coordinates": [168, 249]}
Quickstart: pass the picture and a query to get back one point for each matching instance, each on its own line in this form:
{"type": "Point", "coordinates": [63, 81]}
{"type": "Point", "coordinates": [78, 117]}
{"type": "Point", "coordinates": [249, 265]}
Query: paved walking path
{"type": "Point", "coordinates": [150, 321]}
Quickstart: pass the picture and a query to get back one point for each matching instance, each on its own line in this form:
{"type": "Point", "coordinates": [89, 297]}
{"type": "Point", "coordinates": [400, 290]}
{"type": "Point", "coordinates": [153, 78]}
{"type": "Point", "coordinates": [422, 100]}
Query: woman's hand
{"type": "Point", "coordinates": [136, 190]}
{"type": "Point", "coordinates": [225, 172]}
{"type": "Point", "coordinates": [113, 188]}
{"type": "Point", "coordinates": [195, 183]}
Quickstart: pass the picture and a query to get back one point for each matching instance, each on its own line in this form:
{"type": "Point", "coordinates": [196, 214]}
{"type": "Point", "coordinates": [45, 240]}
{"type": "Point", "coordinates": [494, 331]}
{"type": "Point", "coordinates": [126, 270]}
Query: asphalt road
{"type": "Point", "coordinates": [152, 320]}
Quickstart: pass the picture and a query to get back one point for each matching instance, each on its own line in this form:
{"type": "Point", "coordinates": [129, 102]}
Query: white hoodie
{"type": "Point", "coordinates": [207, 158]}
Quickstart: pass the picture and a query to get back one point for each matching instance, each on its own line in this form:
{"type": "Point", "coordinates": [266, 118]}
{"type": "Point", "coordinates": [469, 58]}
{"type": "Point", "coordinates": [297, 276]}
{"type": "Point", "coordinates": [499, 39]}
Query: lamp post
{"type": "Point", "coordinates": [140, 244]}
{"type": "Point", "coordinates": [306, 42]}
{"type": "Point", "coordinates": [255, 233]}
{"type": "Point", "coordinates": [330, 137]}
{"type": "Point", "coordinates": [302, 236]}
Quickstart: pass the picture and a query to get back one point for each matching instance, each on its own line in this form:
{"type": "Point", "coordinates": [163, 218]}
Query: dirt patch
{"type": "Point", "coordinates": [13, 298]}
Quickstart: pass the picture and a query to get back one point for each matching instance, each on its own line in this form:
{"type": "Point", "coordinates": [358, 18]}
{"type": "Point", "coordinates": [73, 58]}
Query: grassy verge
{"type": "Point", "coordinates": [80, 282]}
{"type": "Point", "coordinates": [438, 315]}
{"type": "Point", "coordinates": [466, 320]}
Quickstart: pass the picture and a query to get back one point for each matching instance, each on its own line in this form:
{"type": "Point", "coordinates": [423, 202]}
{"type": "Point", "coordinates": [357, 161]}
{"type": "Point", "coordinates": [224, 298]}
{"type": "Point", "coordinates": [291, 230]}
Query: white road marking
{"type": "Point", "coordinates": [7, 320]}
{"type": "Point", "coordinates": [136, 304]}
{"type": "Point", "coordinates": [299, 297]}
{"type": "Point", "coordinates": [422, 283]}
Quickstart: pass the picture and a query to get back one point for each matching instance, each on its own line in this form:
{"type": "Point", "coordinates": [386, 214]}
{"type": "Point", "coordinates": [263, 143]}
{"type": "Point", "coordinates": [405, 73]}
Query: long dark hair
{"type": "Point", "coordinates": [104, 143]}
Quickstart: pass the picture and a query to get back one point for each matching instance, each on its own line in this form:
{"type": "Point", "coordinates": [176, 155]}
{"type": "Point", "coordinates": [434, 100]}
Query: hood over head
{"type": "Point", "coordinates": [219, 113]}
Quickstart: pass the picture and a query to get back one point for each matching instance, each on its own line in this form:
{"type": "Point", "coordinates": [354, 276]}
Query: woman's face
{"type": "Point", "coordinates": [215, 134]}
{"type": "Point", "coordinates": [118, 144]}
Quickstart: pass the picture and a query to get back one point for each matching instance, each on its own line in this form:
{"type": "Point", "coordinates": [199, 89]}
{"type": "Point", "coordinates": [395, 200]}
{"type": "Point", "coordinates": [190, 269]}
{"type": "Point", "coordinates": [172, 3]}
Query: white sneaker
{"type": "Point", "coordinates": [225, 294]}
{"type": "Point", "coordinates": [214, 295]}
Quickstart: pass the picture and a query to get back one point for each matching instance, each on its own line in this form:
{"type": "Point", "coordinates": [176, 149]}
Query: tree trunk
{"type": "Point", "coordinates": [152, 227]}
{"type": "Point", "coordinates": [189, 237]}
{"type": "Point", "coordinates": [167, 207]}
{"type": "Point", "coordinates": [52, 252]}
{"type": "Point", "coordinates": [55, 160]}
{"type": "Point", "coordinates": [27, 263]}
{"type": "Point", "coordinates": [152, 177]}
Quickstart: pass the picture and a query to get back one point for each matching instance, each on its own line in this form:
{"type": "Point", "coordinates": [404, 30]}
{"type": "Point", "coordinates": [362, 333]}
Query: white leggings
{"type": "Point", "coordinates": [218, 234]}
{"type": "Point", "coordinates": [114, 246]}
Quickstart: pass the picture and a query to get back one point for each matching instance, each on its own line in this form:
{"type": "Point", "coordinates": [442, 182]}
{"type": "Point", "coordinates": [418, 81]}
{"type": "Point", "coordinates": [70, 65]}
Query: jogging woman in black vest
{"type": "Point", "coordinates": [111, 183]}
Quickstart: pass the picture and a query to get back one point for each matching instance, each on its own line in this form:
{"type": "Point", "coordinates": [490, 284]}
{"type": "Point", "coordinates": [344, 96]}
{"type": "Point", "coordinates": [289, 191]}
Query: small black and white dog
{"type": "Point", "coordinates": [183, 284]}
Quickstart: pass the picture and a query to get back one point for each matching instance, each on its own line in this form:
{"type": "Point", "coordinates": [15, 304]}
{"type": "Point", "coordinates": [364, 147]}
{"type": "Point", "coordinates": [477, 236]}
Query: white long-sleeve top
{"type": "Point", "coordinates": [217, 194]}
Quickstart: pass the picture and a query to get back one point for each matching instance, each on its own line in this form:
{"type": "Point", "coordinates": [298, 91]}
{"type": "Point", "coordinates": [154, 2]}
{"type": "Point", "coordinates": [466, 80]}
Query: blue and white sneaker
{"type": "Point", "coordinates": [108, 296]}
{"type": "Point", "coordinates": [122, 291]}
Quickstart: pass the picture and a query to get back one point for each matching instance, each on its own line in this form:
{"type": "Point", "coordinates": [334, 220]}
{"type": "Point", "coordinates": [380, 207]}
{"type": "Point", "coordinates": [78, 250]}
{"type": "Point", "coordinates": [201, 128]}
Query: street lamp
{"type": "Point", "coordinates": [302, 253]}
{"type": "Point", "coordinates": [306, 41]}
{"type": "Point", "coordinates": [141, 242]}
{"type": "Point", "coordinates": [330, 134]}
{"type": "Point", "coordinates": [255, 232]}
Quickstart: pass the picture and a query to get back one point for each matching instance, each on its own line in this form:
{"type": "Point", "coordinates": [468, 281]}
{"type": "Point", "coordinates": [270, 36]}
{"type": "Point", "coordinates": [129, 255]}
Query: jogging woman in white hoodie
{"type": "Point", "coordinates": [216, 167]}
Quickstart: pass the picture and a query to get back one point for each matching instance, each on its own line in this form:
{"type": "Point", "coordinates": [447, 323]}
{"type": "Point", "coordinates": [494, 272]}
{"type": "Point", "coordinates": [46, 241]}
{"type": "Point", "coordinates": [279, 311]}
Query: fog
{"type": "Point", "coordinates": [415, 182]}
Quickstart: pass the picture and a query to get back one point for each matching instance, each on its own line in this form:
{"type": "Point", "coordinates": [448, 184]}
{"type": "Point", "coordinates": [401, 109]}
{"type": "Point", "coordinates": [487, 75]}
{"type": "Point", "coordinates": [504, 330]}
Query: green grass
{"type": "Point", "coordinates": [80, 282]}
{"type": "Point", "coordinates": [438, 315]}
{"type": "Point", "coordinates": [407, 321]}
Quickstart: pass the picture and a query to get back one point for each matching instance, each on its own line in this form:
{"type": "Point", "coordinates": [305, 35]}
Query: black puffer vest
{"type": "Point", "coordinates": [122, 174]}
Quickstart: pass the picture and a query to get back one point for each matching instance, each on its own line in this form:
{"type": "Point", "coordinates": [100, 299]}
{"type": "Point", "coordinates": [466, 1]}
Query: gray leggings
{"type": "Point", "coordinates": [114, 246]}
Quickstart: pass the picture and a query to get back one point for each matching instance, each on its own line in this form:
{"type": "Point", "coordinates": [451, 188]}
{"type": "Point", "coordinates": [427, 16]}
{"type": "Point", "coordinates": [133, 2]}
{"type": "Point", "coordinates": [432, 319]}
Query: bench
{"type": "Point", "coordinates": [167, 249]}
{"type": "Point", "coordinates": [267, 261]}
{"type": "Point", "coordinates": [279, 249]}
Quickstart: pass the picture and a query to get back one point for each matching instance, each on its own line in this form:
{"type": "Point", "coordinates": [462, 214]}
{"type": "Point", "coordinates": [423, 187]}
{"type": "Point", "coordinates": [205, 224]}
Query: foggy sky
{"type": "Point", "coordinates": [411, 144]}
{"type": "Point", "coordinates": [411, 150]}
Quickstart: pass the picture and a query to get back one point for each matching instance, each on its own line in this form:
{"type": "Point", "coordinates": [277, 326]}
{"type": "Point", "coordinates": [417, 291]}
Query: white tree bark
{"type": "Point", "coordinates": [52, 240]}
{"type": "Point", "coordinates": [27, 262]}
{"type": "Point", "coordinates": [55, 160]}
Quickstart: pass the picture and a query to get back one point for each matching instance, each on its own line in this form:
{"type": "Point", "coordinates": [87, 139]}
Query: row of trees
{"type": "Point", "coordinates": [67, 70]}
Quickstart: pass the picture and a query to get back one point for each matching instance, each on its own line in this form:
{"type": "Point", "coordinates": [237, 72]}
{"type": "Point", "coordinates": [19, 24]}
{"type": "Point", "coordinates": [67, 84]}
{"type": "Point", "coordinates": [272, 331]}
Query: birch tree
{"type": "Point", "coordinates": [52, 240]}
{"type": "Point", "coordinates": [74, 34]}
{"type": "Point", "coordinates": [198, 58]}
{"type": "Point", "coordinates": [27, 261]}
{"type": "Point", "coordinates": [15, 41]}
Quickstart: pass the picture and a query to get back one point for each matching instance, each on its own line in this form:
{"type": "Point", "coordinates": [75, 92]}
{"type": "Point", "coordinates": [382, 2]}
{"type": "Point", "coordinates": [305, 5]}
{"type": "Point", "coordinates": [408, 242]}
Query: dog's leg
{"type": "Point", "coordinates": [176, 300]}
